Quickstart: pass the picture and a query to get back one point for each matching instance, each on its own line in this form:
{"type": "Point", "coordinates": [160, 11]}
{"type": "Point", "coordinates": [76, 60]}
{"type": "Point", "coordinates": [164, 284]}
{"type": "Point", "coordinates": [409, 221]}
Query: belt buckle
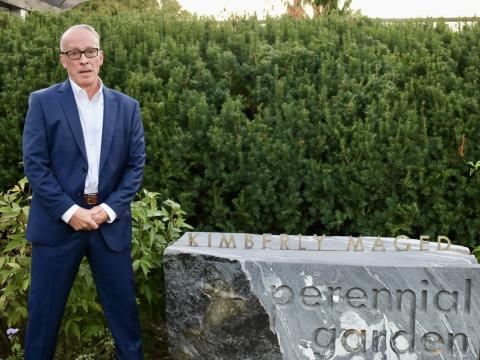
{"type": "Point", "coordinates": [91, 199]}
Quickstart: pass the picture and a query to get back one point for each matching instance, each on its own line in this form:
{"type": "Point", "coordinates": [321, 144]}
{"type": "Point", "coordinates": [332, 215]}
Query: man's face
{"type": "Point", "coordinates": [84, 71]}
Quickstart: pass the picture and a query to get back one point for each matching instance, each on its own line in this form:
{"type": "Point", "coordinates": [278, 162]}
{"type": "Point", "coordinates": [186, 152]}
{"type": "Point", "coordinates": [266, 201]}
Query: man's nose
{"type": "Point", "coordinates": [83, 58]}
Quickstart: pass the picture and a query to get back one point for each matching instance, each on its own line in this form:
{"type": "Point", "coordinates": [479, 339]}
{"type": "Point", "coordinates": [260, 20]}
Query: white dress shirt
{"type": "Point", "coordinates": [90, 112]}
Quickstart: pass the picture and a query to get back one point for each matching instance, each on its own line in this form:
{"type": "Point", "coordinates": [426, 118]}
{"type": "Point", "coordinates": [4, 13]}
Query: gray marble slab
{"type": "Point", "coordinates": [246, 302]}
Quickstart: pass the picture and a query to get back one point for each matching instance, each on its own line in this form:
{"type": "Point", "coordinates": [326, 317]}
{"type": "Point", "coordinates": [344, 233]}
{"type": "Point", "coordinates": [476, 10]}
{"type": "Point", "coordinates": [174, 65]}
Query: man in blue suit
{"type": "Point", "coordinates": [83, 153]}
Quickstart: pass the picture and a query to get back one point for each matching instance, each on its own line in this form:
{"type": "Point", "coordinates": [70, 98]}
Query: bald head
{"type": "Point", "coordinates": [74, 28]}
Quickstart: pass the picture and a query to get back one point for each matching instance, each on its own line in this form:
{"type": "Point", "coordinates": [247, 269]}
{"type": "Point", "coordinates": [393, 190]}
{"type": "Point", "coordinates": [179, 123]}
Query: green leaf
{"type": "Point", "coordinates": [145, 265]}
{"type": "Point", "coordinates": [75, 330]}
{"type": "Point", "coordinates": [14, 265]}
{"type": "Point", "coordinates": [26, 284]}
{"type": "Point", "coordinates": [136, 264]}
{"type": "Point", "coordinates": [12, 245]}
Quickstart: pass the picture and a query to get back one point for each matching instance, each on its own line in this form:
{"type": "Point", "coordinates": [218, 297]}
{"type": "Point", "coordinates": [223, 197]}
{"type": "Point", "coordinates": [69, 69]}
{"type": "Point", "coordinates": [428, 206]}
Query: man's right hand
{"type": "Point", "coordinates": [82, 220]}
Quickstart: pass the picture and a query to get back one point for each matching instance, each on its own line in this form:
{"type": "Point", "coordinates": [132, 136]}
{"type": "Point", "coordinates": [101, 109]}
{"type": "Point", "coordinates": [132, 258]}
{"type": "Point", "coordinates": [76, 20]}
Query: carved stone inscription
{"type": "Point", "coordinates": [324, 339]}
{"type": "Point", "coordinates": [377, 313]}
{"type": "Point", "coordinates": [320, 299]}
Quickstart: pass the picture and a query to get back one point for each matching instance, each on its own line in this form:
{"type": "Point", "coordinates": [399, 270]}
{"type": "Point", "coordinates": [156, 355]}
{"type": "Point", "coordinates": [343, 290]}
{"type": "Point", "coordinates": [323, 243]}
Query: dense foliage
{"type": "Point", "coordinates": [84, 333]}
{"type": "Point", "coordinates": [333, 125]}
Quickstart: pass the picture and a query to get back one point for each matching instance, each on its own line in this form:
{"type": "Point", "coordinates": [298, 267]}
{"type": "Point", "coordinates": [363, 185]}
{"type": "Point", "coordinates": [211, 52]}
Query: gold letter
{"type": "Point", "coordinates": [357, 244]}
{"type": "Point", "coordinates": [403, 237]}
{"type": "Point", "coordinates": [319, 241]}
{"type": "Point", "coordinates": [300, 242]}
{"type": "Point", "coordinates": [283, 242]}
{"type": "Point", "coordinates": [228, 242]}
{"type": "Point", "coordinates": [191, 239]}
{"type": "Point", "coordinates": [378, 243]}
{"type": "Point", "coordinates": [265, 240]}
{"type": "Point", "coordinates": [423, 242]}
{"type": "Point", "coordinates": [439, 240]}
{"type": "Point", "coordinates": [248, 241]}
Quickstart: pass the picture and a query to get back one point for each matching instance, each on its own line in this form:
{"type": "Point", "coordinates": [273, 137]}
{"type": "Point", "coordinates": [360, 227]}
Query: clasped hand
{"type": "Point", "coordinates": [88, 219]}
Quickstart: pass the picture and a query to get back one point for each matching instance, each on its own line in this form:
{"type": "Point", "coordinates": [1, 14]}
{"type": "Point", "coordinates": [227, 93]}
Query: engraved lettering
{"type": "Point", "coordinates": [333, 295]}
{"type": "Point", "coordinates": [282, 294]}
{"type": "Point", "coordinates": [400, 344]}
{"type": "Point", "coordinates": [311, 296]}
{"type": "Point", "coordinates": [433, 342]}
{"type": "Point", "coordinates": [451, 342]}
{"type": "Point", "coordinates": [468, 295]}
{"type": "Point", "coordinates": [424, 296]}
{"type": "Point", "coordinates": [351, 336]}
{"type": "Point", "coordinates": [444, 298]}
{"type": "Point", "coordinates": [375, 298]}
{"type": "Point", "coordinates": [376, 340]}
{"type": "Point", "coordinates": [413, 298]}
{"type": "Point", "coordinates": [357, 297]}
{"type": "Point", "coordinates": [325, 340]}
{"type": "Point", "coordinates": [448, 336]}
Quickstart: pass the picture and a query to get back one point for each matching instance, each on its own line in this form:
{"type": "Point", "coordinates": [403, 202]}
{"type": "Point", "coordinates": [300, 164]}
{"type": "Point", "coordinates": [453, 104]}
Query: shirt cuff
{"type": "Point", "coordinates": [111, 214]}
{"type": "Point", "coordinates": [67, 215]}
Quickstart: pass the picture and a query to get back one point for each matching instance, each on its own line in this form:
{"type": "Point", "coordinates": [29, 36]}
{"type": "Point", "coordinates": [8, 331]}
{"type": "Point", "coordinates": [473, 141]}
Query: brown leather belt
{"type": "Point", "coordinates": [90, 199]}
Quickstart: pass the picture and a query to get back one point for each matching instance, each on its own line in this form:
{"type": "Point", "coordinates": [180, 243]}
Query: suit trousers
{"type": "Point", "coordinates": [53, 271]}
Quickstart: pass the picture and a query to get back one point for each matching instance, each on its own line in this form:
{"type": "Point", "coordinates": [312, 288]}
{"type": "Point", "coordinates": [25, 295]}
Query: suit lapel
{"type": "Point", "coordinates": [69, 106]}
{"type": "Point", "coordinates": [109, 121]}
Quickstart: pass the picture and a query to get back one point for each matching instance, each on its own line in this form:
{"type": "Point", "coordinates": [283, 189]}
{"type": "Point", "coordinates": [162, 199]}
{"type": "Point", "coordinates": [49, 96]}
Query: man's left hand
{"type": "Point", "coordinates": [99, 215]}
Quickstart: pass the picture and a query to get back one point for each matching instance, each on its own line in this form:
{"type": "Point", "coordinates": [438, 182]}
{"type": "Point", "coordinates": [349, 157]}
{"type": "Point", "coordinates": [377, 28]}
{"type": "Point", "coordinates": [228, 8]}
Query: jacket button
{"type": "Point", "coordinates": [84, 168]}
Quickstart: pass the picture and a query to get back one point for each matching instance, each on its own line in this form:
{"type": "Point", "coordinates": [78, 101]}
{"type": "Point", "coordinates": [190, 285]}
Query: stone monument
{"type": "Point", "coordinates": [266, 297]}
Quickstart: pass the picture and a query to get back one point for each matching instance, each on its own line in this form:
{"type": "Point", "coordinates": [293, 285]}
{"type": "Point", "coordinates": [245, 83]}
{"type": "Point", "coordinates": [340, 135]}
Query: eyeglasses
{"type": "Point", "coordinates": [77, 54]}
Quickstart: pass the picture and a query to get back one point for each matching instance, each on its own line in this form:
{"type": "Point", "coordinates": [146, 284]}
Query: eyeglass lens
{"type": "Point", "coordinates": [77, 54]}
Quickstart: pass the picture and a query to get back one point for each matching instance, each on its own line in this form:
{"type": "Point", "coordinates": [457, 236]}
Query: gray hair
{"type": "Point", "coordinates": [76, 27]}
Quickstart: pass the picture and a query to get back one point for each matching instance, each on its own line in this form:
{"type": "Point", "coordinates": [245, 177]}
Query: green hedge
{"type": "Point", "coordinates": [334, 125]}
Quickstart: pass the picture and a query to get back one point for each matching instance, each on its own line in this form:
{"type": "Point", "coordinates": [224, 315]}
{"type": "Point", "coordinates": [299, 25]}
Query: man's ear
{"type": "Point", "coordinates": [63, 61]}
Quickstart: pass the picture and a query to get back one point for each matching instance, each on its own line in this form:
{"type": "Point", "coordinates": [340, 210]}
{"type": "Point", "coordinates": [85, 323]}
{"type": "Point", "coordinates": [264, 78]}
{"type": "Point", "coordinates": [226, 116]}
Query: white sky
{"type": "Point", "coordinates": [373, 8]}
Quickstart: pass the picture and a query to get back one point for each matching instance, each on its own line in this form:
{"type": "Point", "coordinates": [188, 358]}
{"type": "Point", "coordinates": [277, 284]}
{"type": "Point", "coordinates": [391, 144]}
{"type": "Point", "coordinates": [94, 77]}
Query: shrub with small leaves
{"type": "Point", "coordinates": [14, 266]}
{"type": "Point", "coordinates": [83, 334]}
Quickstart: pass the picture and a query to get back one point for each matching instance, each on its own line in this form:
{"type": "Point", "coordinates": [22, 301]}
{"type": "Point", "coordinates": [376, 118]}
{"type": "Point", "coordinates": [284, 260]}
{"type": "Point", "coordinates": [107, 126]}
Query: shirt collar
{"type": "Point", "coordinates": [81, 93]}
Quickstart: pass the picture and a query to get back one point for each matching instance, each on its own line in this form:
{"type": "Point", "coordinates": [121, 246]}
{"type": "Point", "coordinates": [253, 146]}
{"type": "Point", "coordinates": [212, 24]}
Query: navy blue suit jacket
{"type": "Point", "coordinates": [55, 163]}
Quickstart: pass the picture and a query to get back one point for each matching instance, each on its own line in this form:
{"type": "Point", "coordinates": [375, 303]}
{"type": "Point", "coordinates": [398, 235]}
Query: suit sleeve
{"type": "Point", "coordinates": [119, 200]}
{"type": "Point", "coordinates": [36, 161]}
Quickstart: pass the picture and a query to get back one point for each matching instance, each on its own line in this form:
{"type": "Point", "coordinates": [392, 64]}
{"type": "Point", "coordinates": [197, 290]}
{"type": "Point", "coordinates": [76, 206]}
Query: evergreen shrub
{"type": "Point", "coordinates": [338, 125]}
